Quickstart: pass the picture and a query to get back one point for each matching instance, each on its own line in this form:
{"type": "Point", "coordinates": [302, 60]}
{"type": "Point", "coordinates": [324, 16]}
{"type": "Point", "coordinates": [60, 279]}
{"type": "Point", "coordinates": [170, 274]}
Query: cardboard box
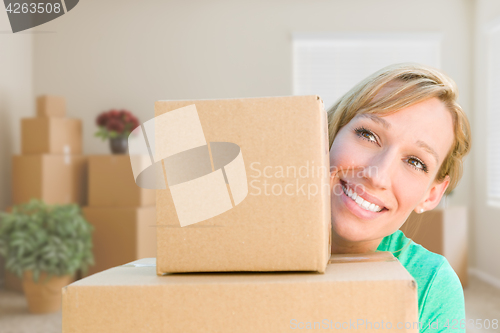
{"type": "Point", "coordinates": [111, 183]}
{"type": "Point", "coordinates": [131, 298]}
{"type": "Point", "coordinates": [445, 232]}
{"type": "Point", "coordinates": [55, 179]}
{"type": "Point", "coordinates": [278, 218]}
{"type": "Point", "coordinates": [50, 106]}
{"type": "Point", "coordinates": [51, 136]}
{"type": "Point", "coordinates": [121, 235]}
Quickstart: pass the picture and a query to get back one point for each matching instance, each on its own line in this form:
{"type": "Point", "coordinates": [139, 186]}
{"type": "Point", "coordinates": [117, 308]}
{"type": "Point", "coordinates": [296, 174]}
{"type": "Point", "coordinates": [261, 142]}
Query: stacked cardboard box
{"type": "Point", "coordinates": [283, 221]}
{"type": "Point", "coordinates": [51, 166]}
{"type": "Point", "coordinates": [443, 231]}
{"type": "Point", "coordinates": [366, 293]}
{"type": "Point", "coordinates": [122, 213]}
{"type": "Point", "coordinates": [244, 214]}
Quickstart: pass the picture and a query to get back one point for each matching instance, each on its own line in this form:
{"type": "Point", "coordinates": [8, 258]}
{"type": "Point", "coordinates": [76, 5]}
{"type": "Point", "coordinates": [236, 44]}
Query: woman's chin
{"type": "Point", "coordinates": [349, 232]}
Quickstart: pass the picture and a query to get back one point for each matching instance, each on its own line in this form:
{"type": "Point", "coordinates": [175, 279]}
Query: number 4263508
{"type": "Point", "coordinates": [40, 8]}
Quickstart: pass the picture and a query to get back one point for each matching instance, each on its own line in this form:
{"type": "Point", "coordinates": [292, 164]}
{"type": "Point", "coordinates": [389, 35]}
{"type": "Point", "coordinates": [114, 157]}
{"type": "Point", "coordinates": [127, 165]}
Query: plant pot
{"type": "Point", "coordinates": [119, 145]}
{"type": "Point", "coordinates": [44, 296]}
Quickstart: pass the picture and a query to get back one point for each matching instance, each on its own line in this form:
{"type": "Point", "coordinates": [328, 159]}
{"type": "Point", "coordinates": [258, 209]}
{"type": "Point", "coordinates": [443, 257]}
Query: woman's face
{"type": "Point", "coordinates": [391, 161]}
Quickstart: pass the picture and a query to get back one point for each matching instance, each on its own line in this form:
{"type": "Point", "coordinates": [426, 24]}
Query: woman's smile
{"type": "Point", "coordinates": [360, 203]}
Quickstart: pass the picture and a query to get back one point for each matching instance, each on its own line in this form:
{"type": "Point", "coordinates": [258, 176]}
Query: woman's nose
{"type": "Point", "coordinates": [380, 168]}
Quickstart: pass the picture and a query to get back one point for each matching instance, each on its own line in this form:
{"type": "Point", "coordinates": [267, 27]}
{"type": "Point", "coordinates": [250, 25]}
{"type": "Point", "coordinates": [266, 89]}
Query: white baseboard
{"type": "Point", "coordinates": [485, 277]}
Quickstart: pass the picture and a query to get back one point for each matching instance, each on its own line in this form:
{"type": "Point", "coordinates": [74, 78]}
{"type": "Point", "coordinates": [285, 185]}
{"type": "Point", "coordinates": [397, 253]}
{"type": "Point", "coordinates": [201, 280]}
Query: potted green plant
{"type": "Point", "coordinates": [45, 245]}
{"type": "Point", "coordinates": [116, 126]}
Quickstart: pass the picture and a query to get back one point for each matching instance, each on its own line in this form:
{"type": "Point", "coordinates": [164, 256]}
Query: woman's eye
{"type": "Point", "coordinates": [414, 161]}
{"type": "Point", "coordinates": [365, 134]}
{"type": "Point", "coordinates": [417, 164]}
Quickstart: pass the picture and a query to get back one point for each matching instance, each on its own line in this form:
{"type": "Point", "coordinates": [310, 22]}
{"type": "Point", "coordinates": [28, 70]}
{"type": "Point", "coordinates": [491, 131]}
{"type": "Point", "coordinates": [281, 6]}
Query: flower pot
{"type": "Point", "coordinates": [119, 145]}
{"type": "Point", "coordinates": [44, 296]}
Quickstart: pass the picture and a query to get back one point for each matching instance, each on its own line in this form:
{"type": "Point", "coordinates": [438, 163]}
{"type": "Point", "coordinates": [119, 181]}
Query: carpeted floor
{"type": "Point", "coordinates": [482, 301]}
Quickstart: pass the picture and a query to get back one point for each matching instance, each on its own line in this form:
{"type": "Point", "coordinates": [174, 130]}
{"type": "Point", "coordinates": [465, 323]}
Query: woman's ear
{"type": "Point", "coordinates": [433, 196]}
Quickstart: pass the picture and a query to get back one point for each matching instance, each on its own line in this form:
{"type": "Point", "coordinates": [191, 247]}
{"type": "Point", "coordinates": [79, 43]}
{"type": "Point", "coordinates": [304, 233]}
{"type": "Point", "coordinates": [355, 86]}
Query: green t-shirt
{"type": "Point", "coordinates": [440, 293]}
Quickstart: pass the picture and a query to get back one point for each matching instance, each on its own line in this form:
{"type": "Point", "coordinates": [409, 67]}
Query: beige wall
{"type": "Point", "coordinates": [16, 100]}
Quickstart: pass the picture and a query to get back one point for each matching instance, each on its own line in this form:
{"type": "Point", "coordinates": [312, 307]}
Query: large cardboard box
{"type": "Point", "coordinates": [50, 106]}
{"type": "Point", "coordinates": [43, 135]}
{"type": "Point", "coordinates": [271, 156]}
{"type": "Point", "coordinates": [365, 296]}
{"type": "Point", "coordinates": [55, 179]}
{"type": "Point", "coordinates": [121, 235]}
{"type": "Point", "coordinates": [111, 182]}
{"type": "Point", "coordinates": [443, 231]}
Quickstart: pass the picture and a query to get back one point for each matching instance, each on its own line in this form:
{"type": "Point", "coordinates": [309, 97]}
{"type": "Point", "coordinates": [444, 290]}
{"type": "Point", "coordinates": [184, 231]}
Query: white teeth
{"type": "Point", "coordinates": [360, 201]}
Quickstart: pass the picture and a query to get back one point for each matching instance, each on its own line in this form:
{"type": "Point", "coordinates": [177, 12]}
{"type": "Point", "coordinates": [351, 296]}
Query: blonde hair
{"type": "Point", "coordinates": [408, 84]}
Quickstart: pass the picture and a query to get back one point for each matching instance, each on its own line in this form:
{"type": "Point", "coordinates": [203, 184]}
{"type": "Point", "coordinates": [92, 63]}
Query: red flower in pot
{"type": "Point", "coordinates": [116, 125]}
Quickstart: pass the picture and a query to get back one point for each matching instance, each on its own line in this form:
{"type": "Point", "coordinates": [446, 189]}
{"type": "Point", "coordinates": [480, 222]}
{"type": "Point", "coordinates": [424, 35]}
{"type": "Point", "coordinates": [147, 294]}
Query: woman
{"type": "Point", "coordinates": [397, 141]}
